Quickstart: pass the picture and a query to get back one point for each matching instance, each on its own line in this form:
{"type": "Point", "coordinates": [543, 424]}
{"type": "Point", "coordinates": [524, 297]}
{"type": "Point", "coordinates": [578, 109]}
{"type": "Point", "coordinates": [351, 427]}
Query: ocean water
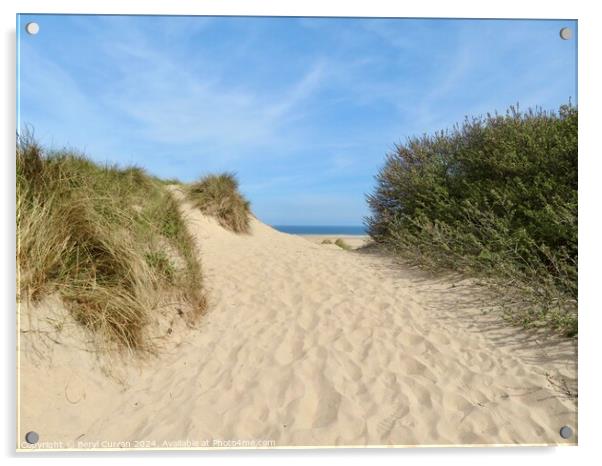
{"type": "Point", "coordinates": [321, 229]}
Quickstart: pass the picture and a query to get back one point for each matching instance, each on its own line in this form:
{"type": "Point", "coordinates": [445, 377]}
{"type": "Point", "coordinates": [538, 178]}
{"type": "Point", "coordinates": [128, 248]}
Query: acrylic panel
{"type": "Point", "coordinates": [279, 232]}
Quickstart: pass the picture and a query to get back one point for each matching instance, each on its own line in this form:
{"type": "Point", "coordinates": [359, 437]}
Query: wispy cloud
{"type": "Point", "coordinates": [302, 109]}
{"type": "Point", "coordinates": [172, 103]}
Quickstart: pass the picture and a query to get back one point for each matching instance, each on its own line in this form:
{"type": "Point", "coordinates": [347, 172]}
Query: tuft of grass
{"type": "Point", "coordinates": [326, 241]}
{"type": "Point", "coordinates": [218, 196]}
{"type": "Point", "coordinates": [495, 198]}
{"type": "Point", "coordinates": [168, 181]}
{"type": "Point", "coordinates": [342, 244]}
{"type": "Point", "coordinates": [159, 261]}
{"type": "Point", "coordinates": [107, 240]}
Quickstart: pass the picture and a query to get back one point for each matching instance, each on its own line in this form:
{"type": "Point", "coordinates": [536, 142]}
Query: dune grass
{"type": "Point", "coordinates": [495, 198]}
{"type": "Point", "coordinates": [218, 196]}
{"type": "Point", "coordinates": [342, 244]}
{"type": "Point", "coordinates": [109, 241]}
{"type": "Point", "coordinates": [168, 181]}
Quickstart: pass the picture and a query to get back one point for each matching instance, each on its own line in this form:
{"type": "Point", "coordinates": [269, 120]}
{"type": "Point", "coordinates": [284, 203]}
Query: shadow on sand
{"type": "Point", "coordinates": [476, 311]}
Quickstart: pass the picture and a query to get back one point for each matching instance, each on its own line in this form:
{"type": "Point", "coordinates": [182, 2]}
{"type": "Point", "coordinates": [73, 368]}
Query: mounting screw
{"type": "Point", "coordinates": [32, 437]}
{"type": "Point", "coordinates": [32, 28]}
{"type": "Point", "coordinates": [566, 432]}
{"type": "Point", "coordinates": [566, 33]}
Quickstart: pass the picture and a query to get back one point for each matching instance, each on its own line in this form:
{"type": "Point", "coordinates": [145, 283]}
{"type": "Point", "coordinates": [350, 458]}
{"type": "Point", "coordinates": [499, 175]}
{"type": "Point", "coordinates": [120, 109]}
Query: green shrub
{"type": "Point", "coordinates": [494, 197]}
{"type": "Point", "coordinates": [218, 196]}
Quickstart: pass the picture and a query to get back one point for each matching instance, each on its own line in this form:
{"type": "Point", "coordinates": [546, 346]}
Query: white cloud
{"type": "Point", "coordinates": [173, 100]}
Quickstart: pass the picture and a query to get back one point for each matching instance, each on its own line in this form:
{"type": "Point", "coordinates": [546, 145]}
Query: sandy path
{"type": "Point", "coordinates": [310, 345]}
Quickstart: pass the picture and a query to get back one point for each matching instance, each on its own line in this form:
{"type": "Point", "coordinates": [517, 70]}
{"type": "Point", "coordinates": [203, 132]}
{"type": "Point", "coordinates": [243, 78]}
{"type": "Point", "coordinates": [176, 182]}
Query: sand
{"type": "Point", "coordinates": [303, 345]}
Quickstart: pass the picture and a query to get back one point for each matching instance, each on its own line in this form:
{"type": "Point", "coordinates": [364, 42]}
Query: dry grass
{"type": "Point", "coordinates": [218, 196]}
{"type": "Point", "coordinates": [109, 241]}
{"type": "Point", "coordinates": [342, 244]}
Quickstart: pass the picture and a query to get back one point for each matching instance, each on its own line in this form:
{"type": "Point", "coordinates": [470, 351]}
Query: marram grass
{"type": "Point", "coordinates": [109, 241]}
{"type": "Point", "coordinates": [218, 196]}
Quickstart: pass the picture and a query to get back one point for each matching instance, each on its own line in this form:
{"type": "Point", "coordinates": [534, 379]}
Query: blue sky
{"type": "Point", "coordinates": [303, 110]}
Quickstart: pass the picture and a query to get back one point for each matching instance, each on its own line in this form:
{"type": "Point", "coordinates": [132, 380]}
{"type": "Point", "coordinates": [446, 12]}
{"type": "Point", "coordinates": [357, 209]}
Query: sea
{"type": "Point", "coordinates": [321, 229]}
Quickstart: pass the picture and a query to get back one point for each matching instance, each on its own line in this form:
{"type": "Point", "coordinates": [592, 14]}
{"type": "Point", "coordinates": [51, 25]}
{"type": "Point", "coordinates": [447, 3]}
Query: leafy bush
{"type": "Point", "coordinates": [218, 196]}
{"type": "Point", "coordinates": [494, 197]}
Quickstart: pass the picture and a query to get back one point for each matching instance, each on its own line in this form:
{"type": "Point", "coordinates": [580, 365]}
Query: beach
{"type": "Point", "coordinates": [303, 344]}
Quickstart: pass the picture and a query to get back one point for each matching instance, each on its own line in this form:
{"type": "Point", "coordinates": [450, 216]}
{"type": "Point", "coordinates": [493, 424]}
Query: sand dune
{"type": "Point", "coordinates": [308, 345]}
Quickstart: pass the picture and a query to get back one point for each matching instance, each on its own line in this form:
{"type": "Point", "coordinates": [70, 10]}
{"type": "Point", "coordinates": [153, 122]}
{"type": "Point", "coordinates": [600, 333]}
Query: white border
{"type": "Point", "coordinates": [589, 212]}
{"type": "Point", "coordinates": [425, 8]}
